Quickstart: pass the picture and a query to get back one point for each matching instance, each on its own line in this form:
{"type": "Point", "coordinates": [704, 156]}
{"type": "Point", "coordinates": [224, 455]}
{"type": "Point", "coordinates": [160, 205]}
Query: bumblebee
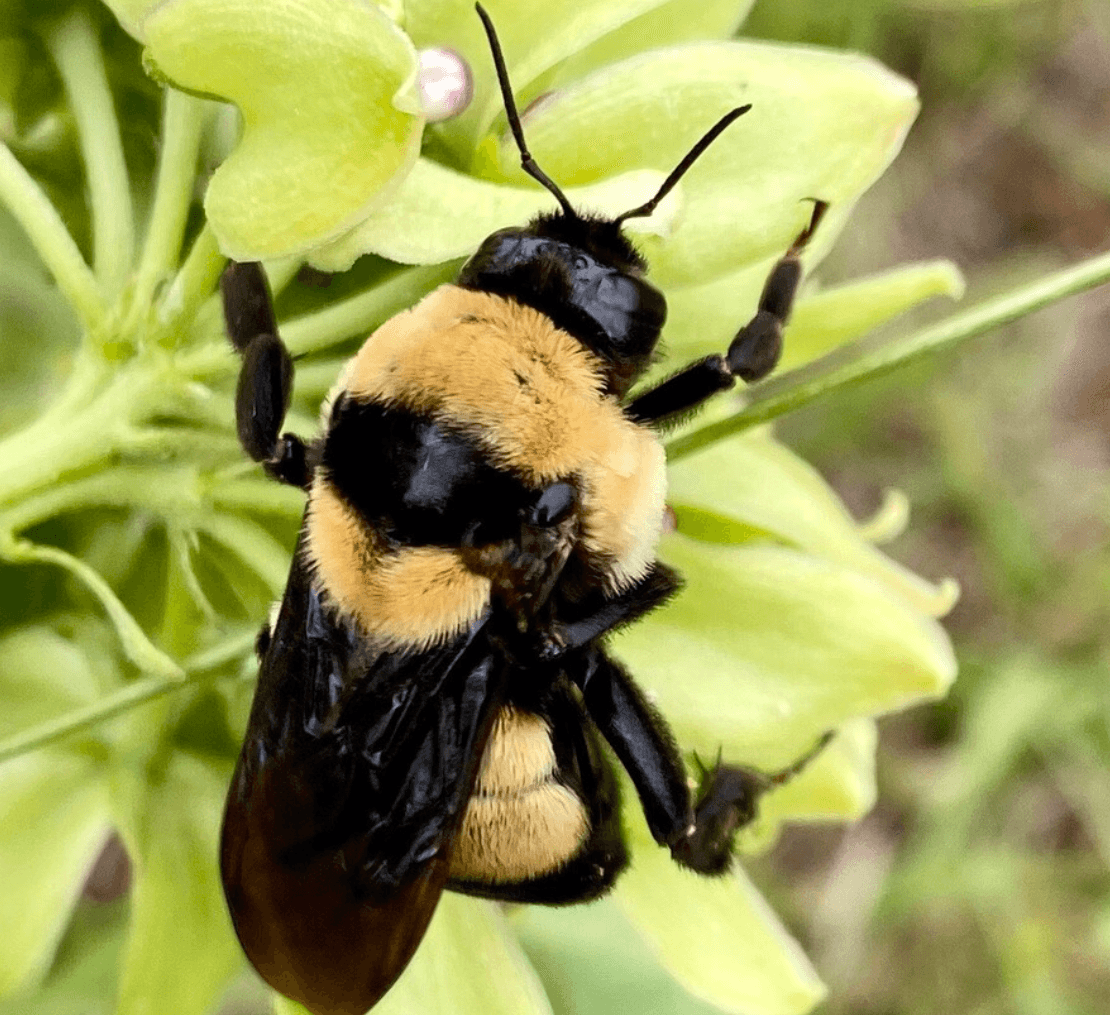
{"type": "Point", "coordinates": [436, 706]}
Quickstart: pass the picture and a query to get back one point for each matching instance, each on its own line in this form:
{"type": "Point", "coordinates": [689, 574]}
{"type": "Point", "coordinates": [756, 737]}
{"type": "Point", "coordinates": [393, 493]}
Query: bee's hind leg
{"type": "Point", "coordinates": [266, 376]}
{"type": "Point", "coordinates": [728, 800]}
{"type": "Point", "coordinates": [699, 827]}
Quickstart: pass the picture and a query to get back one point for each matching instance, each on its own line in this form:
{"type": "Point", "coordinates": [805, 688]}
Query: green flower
{"type": "Point", "coordinates": [140, 550]}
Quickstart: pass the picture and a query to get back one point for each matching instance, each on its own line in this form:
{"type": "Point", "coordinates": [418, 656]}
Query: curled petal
{"type": "Point", "coordinates": [331, 117]}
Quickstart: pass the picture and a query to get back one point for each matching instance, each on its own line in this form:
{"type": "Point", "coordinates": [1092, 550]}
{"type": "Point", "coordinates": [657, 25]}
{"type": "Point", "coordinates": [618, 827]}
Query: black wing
{"type": "Point", "coordinates": [353, 777]}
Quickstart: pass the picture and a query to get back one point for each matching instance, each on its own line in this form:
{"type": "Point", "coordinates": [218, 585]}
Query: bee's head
{"type": "Point", "coordinates": [580, 270]}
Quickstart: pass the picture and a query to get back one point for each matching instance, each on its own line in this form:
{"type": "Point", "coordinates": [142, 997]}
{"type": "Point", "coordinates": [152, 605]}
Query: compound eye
{"type": "Point", "coordinates": [501, 253]}
{"type": "Point", "coordinates": [553, 505]}
{"type": "Point", "coordinates": [630, 311]}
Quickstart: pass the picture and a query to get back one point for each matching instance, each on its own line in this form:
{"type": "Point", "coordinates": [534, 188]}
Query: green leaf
{"type": "Point", "coordinates": [182, 950]}
{"type": "Point", "coordinates": [717, 936]}
{"type": "Point", "coordinates": [438, 214]}
{"type": "Point", "coordinates": [592, 962]}
{"type": "Point", "coordinates": [326, 89]}
{"type": "Point", "coordinates": [822, 125]}
{"type": "Point", "coordinates": [767, 648]}
{"type": "Point", "coordinates": [756, 481]}
{"type": "Point", "coordinates": [54, 820]}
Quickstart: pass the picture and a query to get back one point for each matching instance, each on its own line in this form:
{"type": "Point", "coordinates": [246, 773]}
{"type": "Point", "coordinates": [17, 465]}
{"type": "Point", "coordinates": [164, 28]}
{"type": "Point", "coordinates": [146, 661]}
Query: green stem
{"type": "Point", "coordinates": [75, 47]}
{"type": "Point", "coordinates": [852, 366]}
{"type": "Point", "coordinates": [31, 208]}
{"type": "Point", "coordinates": [136, 645]}
{"type": "Point", "coordinates": [83, 718]}
{"type": "Point", "coordinates": [194, 282]}
{"type": "Point", "coordinates": [40, 455]}
{"type": "Point", "coordinates": [125, 699]}
{"type": "Point", "coordinates": [357, 315]}
{"type": "Point", "coordinates": [169, 491]}
{"type": "Point", "coordinates": [182, 552]}
{"type": "Point", "coordinates": [94, 418]}
{"type": "Point", "coordinates": [183, 120]}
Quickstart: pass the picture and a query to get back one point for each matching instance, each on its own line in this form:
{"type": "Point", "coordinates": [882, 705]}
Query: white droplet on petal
{"type": "Point", "coordinates": [444, 82]}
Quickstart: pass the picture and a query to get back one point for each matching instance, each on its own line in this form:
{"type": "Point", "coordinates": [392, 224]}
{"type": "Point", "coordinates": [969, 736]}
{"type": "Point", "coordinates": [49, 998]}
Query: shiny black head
{"type": "Point", "coordinates": [580, 270]}
{"type": "Point", "coordinates": [585, 276]}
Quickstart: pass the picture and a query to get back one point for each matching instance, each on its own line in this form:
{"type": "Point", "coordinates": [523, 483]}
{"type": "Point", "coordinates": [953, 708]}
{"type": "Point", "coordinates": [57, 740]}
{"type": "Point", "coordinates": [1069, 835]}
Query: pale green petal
{"type": "Point", "coordinates": [767, 648]}
{"type": "Point", "coordinates": [670, 23]}
{"type": "Point", "coordinates": [755, 480]}
{"type": "Point", "coordinates": [838, 785]}
{"type": "Point", "coordinates": [331, 116]}
{"type": "Point", "coordinates": [469, 963]}
{"type": "Point", "coordinates": [717, 936]}
{"type": "Point", "coordinates": [54, 820]}
{"type": "Point", "coordinates": [823, 125]}
{"type": "Point", "coordinates": [83, 978]}
{"type": "Point", "coordinates": [592, 962]}
{"type": "Point", "coordinates": [182, 950]}
{"type": "Point", "coordinates": [703, 319]}
{"type": "Point", "coordinates": [131, 13]}
{"type": "Point", "coordinates": [829, 318]}
{"type": "Point", "coordinates": [534, 37]}
{"type": "Point", "coordinates": [438, 214]}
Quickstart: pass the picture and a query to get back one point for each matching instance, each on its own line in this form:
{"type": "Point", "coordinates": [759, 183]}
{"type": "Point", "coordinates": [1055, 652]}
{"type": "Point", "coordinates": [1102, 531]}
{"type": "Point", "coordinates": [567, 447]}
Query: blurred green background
{"type": "Point", "coordinates": [981, 881]}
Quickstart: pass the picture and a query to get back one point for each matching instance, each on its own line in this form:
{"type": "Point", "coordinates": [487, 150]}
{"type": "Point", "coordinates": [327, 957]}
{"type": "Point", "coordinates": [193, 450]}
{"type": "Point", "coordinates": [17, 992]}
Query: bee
{"type": "Point", "coordinates": [436, 705]}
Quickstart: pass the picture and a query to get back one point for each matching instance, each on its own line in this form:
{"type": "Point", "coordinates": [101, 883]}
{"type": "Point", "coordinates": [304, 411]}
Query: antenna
{"type": "Point", "coordinates": [527, 163]}
{"type": "Point", "coordinates": [679, 171]}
